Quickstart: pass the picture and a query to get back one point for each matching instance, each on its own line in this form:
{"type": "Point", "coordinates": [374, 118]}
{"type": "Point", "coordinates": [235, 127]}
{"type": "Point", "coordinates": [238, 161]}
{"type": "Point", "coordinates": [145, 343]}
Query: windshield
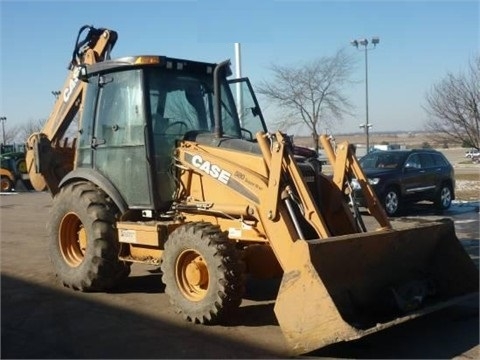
{"type": "Point", "coordinates": [382, 159]}
{"type": "Point", "coordinates": [185, 101]}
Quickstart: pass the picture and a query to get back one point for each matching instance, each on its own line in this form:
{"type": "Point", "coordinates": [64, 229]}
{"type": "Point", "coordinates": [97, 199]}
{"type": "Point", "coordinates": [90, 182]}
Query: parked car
{"type": "Point", "coordinates": [476, 158]}
{"type": "Point", "coordinates": [303, 153]}
{"type": "Point", "coordinates": [472, 153]}
{"type": "Point", "coordinates": [400, 177]}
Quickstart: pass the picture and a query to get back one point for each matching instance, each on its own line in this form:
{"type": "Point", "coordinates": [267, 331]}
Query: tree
{"type": "Point", "coordinates": [30, 127]}
{"type": "Point", "coordinates": [453, 107]}
{"type": "Point", "coordinates": [23, 131]}
{"type": "Point", "coordinates": [11, 134]}
{"type": "Point", "coordinates": [310, 92]}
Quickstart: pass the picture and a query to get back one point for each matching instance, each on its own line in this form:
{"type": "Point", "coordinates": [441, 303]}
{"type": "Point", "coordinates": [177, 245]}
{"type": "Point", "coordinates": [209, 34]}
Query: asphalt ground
{"type": "Point", "coordinates": [41, 319]}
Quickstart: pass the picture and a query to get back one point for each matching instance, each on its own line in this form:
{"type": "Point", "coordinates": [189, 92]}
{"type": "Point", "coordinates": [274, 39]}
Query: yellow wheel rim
{"type": "Point", "coordinates": [72, 240]}
{"type": "Point", "coordinates": [5, 184]}
{"type": "Point", "coordinates": [22, 166]}
{"type": "Point", "coordinates": [191, 273]}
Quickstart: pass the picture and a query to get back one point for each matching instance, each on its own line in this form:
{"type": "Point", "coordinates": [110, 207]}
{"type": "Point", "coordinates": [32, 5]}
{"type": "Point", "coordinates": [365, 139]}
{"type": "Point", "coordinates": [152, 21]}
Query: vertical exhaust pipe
{"type": "Point", "coordinates": [238, 75]}
{"type": "Point", "coordinates": [218, 73]}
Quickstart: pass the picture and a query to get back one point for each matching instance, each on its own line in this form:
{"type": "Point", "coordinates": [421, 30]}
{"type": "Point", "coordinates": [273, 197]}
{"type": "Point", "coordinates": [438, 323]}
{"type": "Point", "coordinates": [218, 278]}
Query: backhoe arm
{"type": "Point", "coordinates": [48, 160]}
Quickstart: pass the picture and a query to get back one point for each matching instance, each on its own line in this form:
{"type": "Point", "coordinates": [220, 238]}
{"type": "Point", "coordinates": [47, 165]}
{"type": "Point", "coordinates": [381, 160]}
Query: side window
{"type": "Point", "coordinates": [249, 112]}
{"type": "Point", "coordinates": [413, 162]}
{"type": "Point", "coordinates": [120, 110]}
{"type": "Point", "coordinates": [84, 158]}
{"type": "Point", "coordinates": [427, 160]}
{"type": "Point", "coordinates": [230, 124]}
{"type": "Point", "coordinates": [439, 160]}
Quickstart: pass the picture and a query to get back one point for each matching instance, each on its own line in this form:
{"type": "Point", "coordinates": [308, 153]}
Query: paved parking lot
{"type": "Point", "coordinates": [40, 319]}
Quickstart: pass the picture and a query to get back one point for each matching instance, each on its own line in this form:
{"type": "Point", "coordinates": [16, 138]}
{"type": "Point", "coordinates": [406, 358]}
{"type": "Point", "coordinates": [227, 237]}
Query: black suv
{"type": "Point", "coordinates": [399, 177]}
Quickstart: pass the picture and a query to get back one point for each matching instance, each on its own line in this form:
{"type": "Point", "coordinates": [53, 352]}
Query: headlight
{"type": "Point", "coordinates": [355, 185]}
{"type": "Point", "coordinates": [373, 181]}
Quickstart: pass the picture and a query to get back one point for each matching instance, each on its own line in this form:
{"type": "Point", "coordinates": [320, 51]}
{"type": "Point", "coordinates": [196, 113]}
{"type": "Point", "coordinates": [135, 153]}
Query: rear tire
{"type": "Point", "coordinates": [202, 273]}
{"type": "Point", "coordinates": [84, 245]}
{"type": "Point", "coordinates": [6, 184]}
{"type": "Point", "coordinates": [392, 202]}
{"type": "Point", "coordinates": [444, 198]}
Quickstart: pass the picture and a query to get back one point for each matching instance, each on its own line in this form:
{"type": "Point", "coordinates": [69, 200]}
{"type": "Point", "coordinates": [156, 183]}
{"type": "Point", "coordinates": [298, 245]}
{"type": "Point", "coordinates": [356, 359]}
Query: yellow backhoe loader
{"type": "Point", "coordinates": [168, 170]}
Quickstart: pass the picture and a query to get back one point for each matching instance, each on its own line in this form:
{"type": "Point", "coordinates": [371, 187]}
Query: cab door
{"type": "Point", "coordinates": [249, 112]}
{"type": "Point", "coordinates": [118, 141]}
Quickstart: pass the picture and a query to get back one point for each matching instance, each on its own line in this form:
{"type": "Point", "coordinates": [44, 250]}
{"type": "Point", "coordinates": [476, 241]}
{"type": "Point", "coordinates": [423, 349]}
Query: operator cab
{"type": "Point", "coordinates": [135, 110]}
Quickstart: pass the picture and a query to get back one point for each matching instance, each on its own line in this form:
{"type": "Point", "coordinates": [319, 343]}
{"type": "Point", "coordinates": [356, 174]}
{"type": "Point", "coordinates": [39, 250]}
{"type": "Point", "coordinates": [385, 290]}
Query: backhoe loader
{"type": "Point", "coordinates": [168, 170]}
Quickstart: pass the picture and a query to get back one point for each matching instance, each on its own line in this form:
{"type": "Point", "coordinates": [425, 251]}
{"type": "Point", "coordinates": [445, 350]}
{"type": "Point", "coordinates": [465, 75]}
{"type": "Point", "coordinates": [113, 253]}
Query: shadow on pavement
{"type": "Point", "coordinates": [38, 322]}
{"type": "Point", "coordinates": [146, 284]}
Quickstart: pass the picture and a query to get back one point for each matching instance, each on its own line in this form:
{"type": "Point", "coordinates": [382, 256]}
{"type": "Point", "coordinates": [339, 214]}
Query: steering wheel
{"type": "Point", "coordinates": [180, 124]}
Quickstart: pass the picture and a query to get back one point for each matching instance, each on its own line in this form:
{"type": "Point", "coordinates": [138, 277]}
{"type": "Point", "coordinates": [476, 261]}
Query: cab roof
{"type": "Point", "coordinates": [150, 60]}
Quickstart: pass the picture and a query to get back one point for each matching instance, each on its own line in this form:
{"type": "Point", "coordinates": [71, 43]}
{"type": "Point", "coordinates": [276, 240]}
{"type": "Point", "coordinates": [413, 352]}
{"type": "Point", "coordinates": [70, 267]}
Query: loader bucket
{"type": "Point", "coordinates": [346, 287]}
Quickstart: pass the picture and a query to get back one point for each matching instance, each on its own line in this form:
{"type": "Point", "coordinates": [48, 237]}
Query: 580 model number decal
{"type": "Point", "coordinates": [211, 169]}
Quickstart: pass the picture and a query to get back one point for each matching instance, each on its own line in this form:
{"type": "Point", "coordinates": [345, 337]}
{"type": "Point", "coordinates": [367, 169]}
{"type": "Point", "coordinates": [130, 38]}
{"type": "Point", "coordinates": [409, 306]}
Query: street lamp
{"type": "Point", "coordinates": [3, 119]}
{"type": "Point", "coordinates": [364, 42]}
{"type": "Point", "coordinates": [56, 94]}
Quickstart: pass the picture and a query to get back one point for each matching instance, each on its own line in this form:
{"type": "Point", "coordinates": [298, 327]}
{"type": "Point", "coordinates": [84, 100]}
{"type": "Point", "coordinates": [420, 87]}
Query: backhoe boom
{"type": "Point", "coordinates": [49, 159]}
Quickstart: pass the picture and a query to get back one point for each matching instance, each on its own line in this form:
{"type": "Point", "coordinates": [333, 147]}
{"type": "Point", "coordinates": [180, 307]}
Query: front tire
{"type": "Point", "coordinates": [84, 246]}
{"type": "Point", "coordinates": [202, 273]}
{"type": "Point", "coordinates": [392, 202]}
{"type": "Point", "coordinates": [444, 198]}
{"type": "Point", "coordinates": [21, 166]}
{"type": "Point", "coordinates": [6, 184]}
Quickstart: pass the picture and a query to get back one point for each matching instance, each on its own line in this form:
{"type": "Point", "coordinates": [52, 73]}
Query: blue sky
{"type": "Point", "coordinates": [420, 41]}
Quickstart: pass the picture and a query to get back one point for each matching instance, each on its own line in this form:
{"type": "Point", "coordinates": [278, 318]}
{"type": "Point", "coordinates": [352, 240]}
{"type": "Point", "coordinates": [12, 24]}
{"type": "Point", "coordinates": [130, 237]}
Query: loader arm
{"type": "Point", "coordinates": [284, 171]}
{"type": "Point", "coordinates": [48, 159]}
{"type": "Point", "coordinates": [328, 214]}
{"type": "Point", "coordinates": [345, 165]}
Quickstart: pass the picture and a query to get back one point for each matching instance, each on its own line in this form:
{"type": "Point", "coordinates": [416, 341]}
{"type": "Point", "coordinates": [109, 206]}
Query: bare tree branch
{"type": "Point", "coordinates": [453, 106]}
{"type": "Point", "coordinates": [311, 93]}
{"type": "Point", "coordinates": [11, 134]}
{"type": "Point", "coordinates": [30, 127]}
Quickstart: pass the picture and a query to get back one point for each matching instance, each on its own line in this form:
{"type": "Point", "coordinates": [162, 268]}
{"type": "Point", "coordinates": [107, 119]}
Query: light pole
{"type": "Point", "coordinates": [3, 119]}
{"type": "Point", "coordinates": [364, 42]}
{"type": "Point", "coordinates": [56, 94]}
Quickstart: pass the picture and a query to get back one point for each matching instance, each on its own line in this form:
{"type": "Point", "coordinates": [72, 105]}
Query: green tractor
{"type": "Point", "coordinates": [13, 172]}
